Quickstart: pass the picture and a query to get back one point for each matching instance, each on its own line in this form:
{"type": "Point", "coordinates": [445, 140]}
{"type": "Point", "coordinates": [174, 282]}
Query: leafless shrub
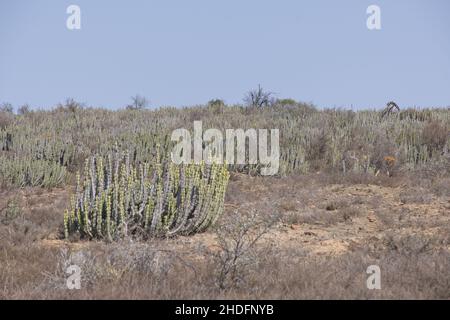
{"type": "Point", "coordinates": [6, 107]}
{"type": "Point", "coordinates": [126, 263]}
{"type": "Point", "coordinates": [388, 217]}
{"type": "Point", "coordinates": [408, 245]}
{"type": "Point", "coordinates": [5, 119]}
{"type": "Point", "coordinates": [347, 214]}
{"type": "Point", "coordinates": [441, 187]}
{"type": "Point", "coordinates": [335, 204]}
{"type": "Point", "coordinates": [56, 278]}
{"type": "Point", "coordinates": [435, 136]}
{"type": "Point", "coordinates": [416, 195]}
{"type": "Point", "coordinates": [138, 103]}
{"type": "Point", "coordinates": [412, 266]}
{"type": "Point", "coordinates": [235, 253]}
{"type": "Point", "coordinates": [288, 205]}
{"type": "Point", "coordinates": [259, 98]}
{"type": "Point", "coordinates": [147, 261]}
{"type": "Point", "coordinates": [292, 218]}
{"type": "Point", "coordinates": [10, 212]}
{"type": "Point", "coordinates": [70, 105]}
{"type": "Point", "coordinates": [25, 109]}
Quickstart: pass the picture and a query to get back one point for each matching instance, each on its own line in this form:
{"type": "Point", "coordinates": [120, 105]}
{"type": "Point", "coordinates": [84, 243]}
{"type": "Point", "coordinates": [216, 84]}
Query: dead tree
{"type": "Point", "coordinates": [390, 108]}
{"type": "Point", "coordinates": [139, 103]}
{"type": "Point", "coordinates": [258, 98]}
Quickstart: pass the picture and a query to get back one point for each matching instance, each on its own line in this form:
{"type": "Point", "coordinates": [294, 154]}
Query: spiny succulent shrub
{"type": "Point", "coordinates": [117, 199]}
{"type": "Point", "coordinates": [26, 172]}
{"type": "Point", "coordinates": [310, 139]}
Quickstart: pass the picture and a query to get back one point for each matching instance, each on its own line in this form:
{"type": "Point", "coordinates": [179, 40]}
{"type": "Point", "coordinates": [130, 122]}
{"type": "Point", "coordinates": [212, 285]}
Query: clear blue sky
{"type": "Point", "coordinates": [178, 52]}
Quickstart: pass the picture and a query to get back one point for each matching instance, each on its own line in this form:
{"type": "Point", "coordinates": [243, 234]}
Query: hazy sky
{"type": "Point", "coordinates": [186, 52]}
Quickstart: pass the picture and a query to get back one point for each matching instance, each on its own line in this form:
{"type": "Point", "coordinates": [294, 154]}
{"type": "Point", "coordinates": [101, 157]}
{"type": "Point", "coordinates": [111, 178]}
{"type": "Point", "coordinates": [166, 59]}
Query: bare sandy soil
{"type": "Point", "coordinates": [322, 226]}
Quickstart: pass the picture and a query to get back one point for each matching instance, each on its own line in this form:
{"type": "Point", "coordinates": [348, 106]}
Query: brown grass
{"type": "Point", "coordinates": [310, 252]}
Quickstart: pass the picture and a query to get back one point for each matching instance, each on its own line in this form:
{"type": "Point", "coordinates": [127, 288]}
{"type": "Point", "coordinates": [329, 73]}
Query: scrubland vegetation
{"type": "Point", "coordinates": [45, 148]}
{"type": "Point", "coordinates": [96, 188]}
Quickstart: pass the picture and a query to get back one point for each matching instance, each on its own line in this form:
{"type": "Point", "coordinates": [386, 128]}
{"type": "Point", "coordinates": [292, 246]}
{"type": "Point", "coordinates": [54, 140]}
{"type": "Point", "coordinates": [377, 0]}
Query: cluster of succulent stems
{"type": "Point", "coordinates": [116, 199]}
